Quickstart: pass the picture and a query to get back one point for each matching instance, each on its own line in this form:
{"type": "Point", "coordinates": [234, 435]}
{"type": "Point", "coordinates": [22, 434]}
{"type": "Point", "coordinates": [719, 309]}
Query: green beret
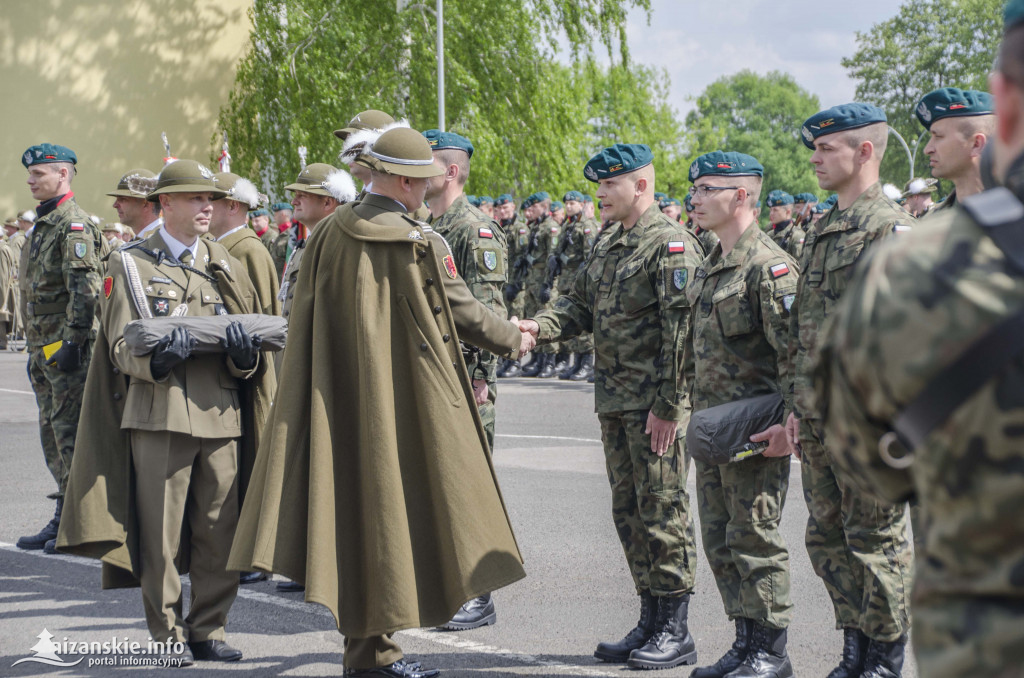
{"type": "Point", "coordinates": [777, 198]}
{"type": "Point", "coordinates": [186, 176]}
{"type": "Point", "coordinates": [371, 119]}
{"type": "Point", "coordinates": [573, 195]}
{"type": "Point", "coordinates": [441, 141]}
{"type": "Point", "coordinates": [822, 207]}
{"type": "Point", "coordinates": [47, 153]}
{"type": "Point", "coordinates": [757, 205]}
{"type": "Point", "coordinates": [557, 205]}
{"type": "Point", "coordinates": [587, 198]}
{"type": "Point", "coordinates": [949, 102]}
{"type": "Point", "coordinates": [840, 119]}
{"type": "Point", "coordinates": [805, 198]}
{"type": "Point", "coordinates": [666, 201]}
{"type": "Point", "coordinates": [473, 200]}
{"type": "Point", "coordinates": [659, 196]}
{"type": "Point", "coordinates": [539, 196]}
{"type": "Point", "coordinates": [1013, 14]}
{"type": "Point", "coordinates": [687, 203]}
{"type": "Point", "coordinates": [278, 206]}
{"type": "Point", "coordinates": [404, 152]}
{"type": "Point", "coordinates": [503, 199]}
{"type": "Point", "coordinates": [722, 163]}
{"type": "Point", "coordinates": [616, 160]}
{"type": "Point", "coordinates": [136, 183]}
{"type": "Point", "coordinates": [261, 212]}
{"type": "Point", "coordinates": [486, 200]}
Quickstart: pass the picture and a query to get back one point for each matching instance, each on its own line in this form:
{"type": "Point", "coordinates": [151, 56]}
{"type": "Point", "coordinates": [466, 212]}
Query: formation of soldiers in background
{"type": "Point", "coordinates": [571, 278]}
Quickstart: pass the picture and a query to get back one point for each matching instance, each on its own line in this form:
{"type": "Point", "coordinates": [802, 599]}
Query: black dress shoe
{"type": "Point", "coordinates": [214, 651]}
{"type": "Point", "coordinates": [252, 577]}
{"type": "Point", "coordinates": [474, 614]}
{"type": "Point", "coordinates": [400, 669]}
{"type": "Point", "coordinates": [290, 586]}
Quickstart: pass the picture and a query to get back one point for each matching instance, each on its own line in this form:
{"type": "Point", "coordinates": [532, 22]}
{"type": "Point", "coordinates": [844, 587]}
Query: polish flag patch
{"type": "Point", "coordinates": [486, 232]}
{"type": "Point", "coordinates": [676, 246]}
{"type": "Point", "coordinates": [77, 227]}
{"type": "Point", "coordinates": [779, 270]}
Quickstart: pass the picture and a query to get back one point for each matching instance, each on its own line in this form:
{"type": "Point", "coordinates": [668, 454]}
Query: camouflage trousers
{"type": "Point", "coordinates": [859, 547]}
{"type": "Point", "coordinates": [487, 411]}
{"type": "Point", "coordinates": [958, 636]}
{"type": "Point", "coordinates": [532, 305]}
{"type": "Point", "coordinates": [740, 508]}
{"type": "Point", "coordinates": [650, 505]}
{"type": "Point", "coordinates": [59, 398]}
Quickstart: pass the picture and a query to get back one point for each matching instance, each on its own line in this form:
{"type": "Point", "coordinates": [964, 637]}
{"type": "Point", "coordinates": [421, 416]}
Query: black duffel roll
{"type": "Point", "coordinates": [721, 434]}
{"type": "Point", "coordinates": [142, 336]}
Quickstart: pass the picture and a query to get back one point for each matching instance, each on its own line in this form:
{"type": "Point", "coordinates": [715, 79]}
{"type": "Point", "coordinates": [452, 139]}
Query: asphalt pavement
{"type": "Point", "coordinates": [577, 591]}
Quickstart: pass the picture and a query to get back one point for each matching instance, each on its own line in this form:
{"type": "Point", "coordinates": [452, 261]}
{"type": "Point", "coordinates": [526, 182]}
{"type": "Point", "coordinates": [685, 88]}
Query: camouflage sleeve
{"type": "Point", "coordinates": [793, 348]}
{"type": "Point", "coordinates": [671, 271]}
{"type": "Point", "coordinates": [571, 315]}
{"type": "Point", "coordinates": [485, 274]}
{"type": "Point", "coordinates": [778, 293]}
{"type": "Point", "coordinates": [81, 270]}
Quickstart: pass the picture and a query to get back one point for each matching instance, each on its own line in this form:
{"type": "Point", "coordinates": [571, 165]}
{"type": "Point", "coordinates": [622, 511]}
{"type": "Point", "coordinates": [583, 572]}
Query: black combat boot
{"type": "Point", "coordinates": [474, 614]}
{"type": "Point", "coordinates": [671, 644]}
{"type": "Point", "coordinates": [534, 366]}
{"type": "Point", "coordinates": [38, 541]}
{"type": "Point", "coordinates": [734, 657]}
{"type": "Point", "coordinates": [547, 370]}
{"type": "Point", "coordinates": [503, 365]}
{"type": "Point", "coordinates": [584, 368]}
{"type": "Point", "coordinates": [564, 364]}
{"type": "Point", "coordinates": [514, 369]}
{"type": "Point", "coordinates": [855, 646]}
{"type": "Point", "coordinates": [637, 638]}
{"type": "Point", "coordinates": [766, 655]}
{"type": "Point", "coordinates": [884, 660]}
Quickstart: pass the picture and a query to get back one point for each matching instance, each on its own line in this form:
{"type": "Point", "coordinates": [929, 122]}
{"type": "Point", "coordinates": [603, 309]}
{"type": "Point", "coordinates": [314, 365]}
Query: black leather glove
{"type": "Point", "coordinates": [68, 357]}
{"type": "Point", "coordinates": [240, 347]}
{"type": "Point", "coordinates": [173, 349]}
{"type": "Point", "coordinates": [545, 293]}
{"type": "Point", "coordinates": [511, 292]}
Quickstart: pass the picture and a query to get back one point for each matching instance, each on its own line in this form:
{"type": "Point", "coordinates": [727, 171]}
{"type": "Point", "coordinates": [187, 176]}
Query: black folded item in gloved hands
{"type": "Point", "coordinates": [172, 350]}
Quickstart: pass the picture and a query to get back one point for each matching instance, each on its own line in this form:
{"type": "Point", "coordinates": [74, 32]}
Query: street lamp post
{"type": "Point", "coordinates": [903, 142]}
{"type": "Point", "coordinates": [440, 65]}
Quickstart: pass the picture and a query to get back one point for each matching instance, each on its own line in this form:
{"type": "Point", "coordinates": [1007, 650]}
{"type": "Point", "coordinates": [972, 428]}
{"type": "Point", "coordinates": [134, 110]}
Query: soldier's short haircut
{"type": "Point", "coordinates": [453, 156]}
{"type": "Point", "coordinates": [877, 134]}
{"type": "Point", "coordinates": [969, 125]}
{"type": "Point", "coordinates": [753, 185]}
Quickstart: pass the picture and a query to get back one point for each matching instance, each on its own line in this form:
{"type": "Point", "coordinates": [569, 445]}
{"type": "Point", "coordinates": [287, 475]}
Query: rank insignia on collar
{"type": "Point", "coordinates": [160, 307]}
{"type": "Point", "coordinates": [679, 278]}
{"type": "Point", "coordinates": [449, 266]}
{"type": "Point", "coordinates": [490, 260]}
{"type": "Point", "coordinates": [224, 265]}
{"type": "Point", "coordinates": [779, 270]}
{"type": "Point", "coordinates": [108, 286]}
{"type": "Point", "coordinates": [80, 250]}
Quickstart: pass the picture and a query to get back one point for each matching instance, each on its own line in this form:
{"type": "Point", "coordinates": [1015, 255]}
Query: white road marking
{"type": "Point", "coordinates": [581, 440]}
{"type": "Point", "coordinates": [11, 390]}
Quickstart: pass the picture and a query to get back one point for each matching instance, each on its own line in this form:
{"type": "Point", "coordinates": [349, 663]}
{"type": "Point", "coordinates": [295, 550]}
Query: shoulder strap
{"type": "Point", "coordinates": [1001, 214]}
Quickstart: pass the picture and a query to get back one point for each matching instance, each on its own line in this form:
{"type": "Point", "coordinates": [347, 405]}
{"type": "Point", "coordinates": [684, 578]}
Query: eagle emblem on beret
{"type": "Point", "coordinates": [27, 158]}
{"type": "Point", "coordinates": [589, 173]}
{"type": "Point", "coordinates": [807, 134]}
{"type": "Point", "coordinates": [924, 112]}
{"type": "Point", "coordinates": [694, 170]}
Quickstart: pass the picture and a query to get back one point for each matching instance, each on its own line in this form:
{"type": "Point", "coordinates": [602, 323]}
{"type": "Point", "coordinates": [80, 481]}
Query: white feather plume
{"type": "Point", "coordinates": [340, 185]}
{"type": "Point", "coordinates": [95, 219]}
{"type": "Point", "coordinates": [918, 186]}
{"type": "Point", "coordinates": [892, 192]}
{"type": "Point", "coordinates": [245, 191]}
{"type": "Point", "coordinates": [361, 141]}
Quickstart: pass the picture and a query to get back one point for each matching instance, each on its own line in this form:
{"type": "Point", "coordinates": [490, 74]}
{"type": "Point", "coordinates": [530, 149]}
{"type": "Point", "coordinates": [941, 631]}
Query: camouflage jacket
{"type": "Point", "coordinates": [543, 243]}
{"type": "Point", "coordinates": [738, 342]}
{"type": "Point", "coordinates": [279, 251]}
{"type": "Point", "coordinates": [478, 247]}
{"type": "Point", "coordinates": [517, 235]}
{"type": "Point", "coordinates": [921, 302]}
{"type": "Point", "coordinates": [831, 248]}
{"type": "Point", "coordinates": [706, 238]}
{"type": "Point", "coordinates": [790, 237]}
{"type": "Point", "coordinates": [60, 285]}
{"type": "Point", "coordinates": [575, 244]}
{"type": "Point", "coordinates": [631, 294]}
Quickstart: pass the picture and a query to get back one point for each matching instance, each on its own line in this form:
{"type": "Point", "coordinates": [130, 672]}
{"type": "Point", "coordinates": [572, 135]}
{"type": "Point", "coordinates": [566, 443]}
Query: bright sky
{"type": "Point", "coordinates": [699, 42]}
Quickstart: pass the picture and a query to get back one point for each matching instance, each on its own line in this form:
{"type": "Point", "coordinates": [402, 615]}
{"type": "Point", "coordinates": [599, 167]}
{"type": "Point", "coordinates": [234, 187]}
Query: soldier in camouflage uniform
{"type": "Point", "coordinates": [516, 238]}
{"type": "Point", "coordinates": [542, 244]}
{"type": "Point", "coordinates": [924, 304]}
{"type": "Point", "coordinates": [858, 546]}
{"type": "Point", "coordinates": [477, 246]}
{"type": "Point", "coordinates": [737, 349]}
{"type": "Point", "coordinates": [784, 230]}
{"type": "Point", "coordinates": [632, 295]}
{"type": "Point", "coordinates": [60, 287]}
{"type": "Point", "coordinates": [960, 123]}
{"type": "Point", "coordinates": [574, 247]}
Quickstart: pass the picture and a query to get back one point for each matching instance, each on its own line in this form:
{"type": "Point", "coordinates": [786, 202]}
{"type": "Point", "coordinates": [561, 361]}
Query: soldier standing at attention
{"type": "Point", "coordinates": [480, 258]}
{"type": "Point", "coordinates": [738, 348]}
{"type": "Point", "coordinates": [632, 296]}
{"type": "Point", "coordinates": [960, 123]}
{"type": "Point", "coordinates": [574, 247]}
{"type": "Point", "coordinates": [60, 286]}
{"type": "Point", "coordinates": [922, 373]}
{"type": "Point", "coordinates": [857, 545]}
{"type": "Point", "coordinates": [517, 238]}
{"type": "Point", "coordinates": [279, 240]}
{"type": "Point", "coordinates": [260, 219]}
{"type": "Point", "coordinates": [543, 241]}
{"type": "Point", "coordinates": [784, 231]}
{"type": "Point", "coordinates": [133, 210]}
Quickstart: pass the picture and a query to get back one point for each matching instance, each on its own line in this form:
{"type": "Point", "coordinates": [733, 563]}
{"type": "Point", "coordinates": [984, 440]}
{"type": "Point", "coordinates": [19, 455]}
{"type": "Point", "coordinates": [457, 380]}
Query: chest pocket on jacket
{"type": "Point", "coordinates": [212, 303]}
{"type": "Point", "coordinates": [163, 300]}
{"type": "Point", "coordinates": [839, 267]}
{"type": "Point", "coordinates": [735, 315]}
{"type": "Point", "coordinates": [633, 287]}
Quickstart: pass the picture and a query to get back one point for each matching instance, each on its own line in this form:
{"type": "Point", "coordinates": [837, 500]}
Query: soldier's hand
{"type": "Point", "coordinates": [171, 350]}
{"type": "Point", "coordinates": [777, 439]}
{"type": "Point", "coordinates": [662, 432]}
{"type": "Point", "coordinates": [68, 357]}
{"type": "Point", "coordinates": [241, 347]}
{"type": "Point", "coordinates": [793, 434]}
{"type": "Point", "coordinates": [526, 343]}
{"type": "Point", "coordinates": [530, 326]}
{"type": "Point", "coordinates": [545, 293]}
{"type": "Point", "coordinates": [480, 391]}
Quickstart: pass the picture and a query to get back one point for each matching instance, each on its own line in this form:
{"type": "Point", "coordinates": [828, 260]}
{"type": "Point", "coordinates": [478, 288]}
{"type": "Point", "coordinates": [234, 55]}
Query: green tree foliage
{"type": "Point", "coordinates": [316, 63]}
{"type": "Point", "coordinates": [929, 44]}
{"type": "Point", "coordinates": [759, 115]}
